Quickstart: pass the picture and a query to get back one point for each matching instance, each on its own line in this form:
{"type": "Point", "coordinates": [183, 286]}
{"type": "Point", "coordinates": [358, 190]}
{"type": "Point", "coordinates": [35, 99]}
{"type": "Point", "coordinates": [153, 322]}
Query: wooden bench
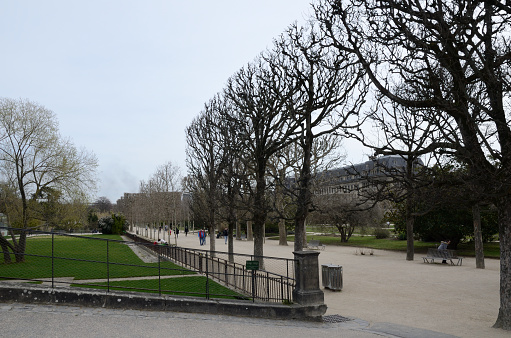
{"type": "Point", "coordinates": [444, 255]}
{"type": "Point", "coordinates": [315, 245]}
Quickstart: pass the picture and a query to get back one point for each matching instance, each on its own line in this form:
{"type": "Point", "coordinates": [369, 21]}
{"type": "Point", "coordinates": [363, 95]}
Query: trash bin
{"type": "Point", "coordinates": [332, 276]}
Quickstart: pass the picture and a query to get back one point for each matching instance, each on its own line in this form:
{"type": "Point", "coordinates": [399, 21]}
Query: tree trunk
{"type": "Point", "coordinates": [280, 206]}
{"type": "Point", "coordinates": [259, 239]}
{"type": "Point", "coordinates": [230, 243]}
{"type": "Point", "coordinates": [238, 230]}
{"type": "Point", "coordinates": [5, 249]}
{"type": "Point", "coordinates": [282, 232]}
{"type": "Point", "coordinates": [478, 237]}
{"type": "Point", "coordinates": [250, 235]}
{"type": "Point", "coordinates": [259, 215]}
{"type": "Point", "coordinates": [299, 234]}
{"type": "Point", "coordinates": [343, 232]}
{"type": "Point", "coordinates": [19, 249]}
{"type": "Point", "coordinates": [409, 231]}
{"type": "Point", "coordinates": [212, 246]}
{"type": "Point", "coordinates": [304, 195]}
{"type": "Point", "coordinates": [409, 239]}
{"type": "Point", "coordinates": [504, 317]}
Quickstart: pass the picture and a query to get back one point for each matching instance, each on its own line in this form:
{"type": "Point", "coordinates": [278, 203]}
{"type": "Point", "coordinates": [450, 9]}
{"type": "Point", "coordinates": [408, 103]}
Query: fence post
{"type": "Point", "coordinates": [200, 262]}
{"type": "Point", "coordinates": [52, 260]}
{"type": "Point", "coordinates": [307, 291]}
{"type": "Point", "coordinates": [234, 280]}
{"type": "Point", "coordinates": [107, 267]}
{"type": "Point", "coordinates": [243, 271]}
{"type": "Point", "coordinates": [282, 288]}
{"type": "Point", "coordinates": [226, 280]}
{"type": "Point", "coordinates": [253, 286]}
{"type": "Point", "coordinates": [207, 275]}
{"type": "Point", "coordinates": [267, 286]}
{"type": "Point", "coordinates": [159, 274]}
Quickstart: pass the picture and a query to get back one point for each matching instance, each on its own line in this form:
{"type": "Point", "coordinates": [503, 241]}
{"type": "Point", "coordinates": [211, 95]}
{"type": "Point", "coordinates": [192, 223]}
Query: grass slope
{"type": "Point", "coordinates": [83, 258]}
{"type": "Point", "coordinates": [184, 286]}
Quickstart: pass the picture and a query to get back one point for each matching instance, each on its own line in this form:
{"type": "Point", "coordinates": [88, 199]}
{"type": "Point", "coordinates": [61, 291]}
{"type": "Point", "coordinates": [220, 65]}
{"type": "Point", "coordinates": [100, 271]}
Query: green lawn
{"type": "Point", "coordinates": [85, 259]}
{"type": "Point", "coordinates": [185, 286]}
{"type": "Point", "coordinates": [491, 250]}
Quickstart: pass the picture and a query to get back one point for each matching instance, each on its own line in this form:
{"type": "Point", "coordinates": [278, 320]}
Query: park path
{"type": "Point", "coordinates": [386, 288]}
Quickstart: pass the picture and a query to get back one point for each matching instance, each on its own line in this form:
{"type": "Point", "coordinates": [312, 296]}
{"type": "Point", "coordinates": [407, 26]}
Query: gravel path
{"type": "Point", "coordinates": [385, 288]}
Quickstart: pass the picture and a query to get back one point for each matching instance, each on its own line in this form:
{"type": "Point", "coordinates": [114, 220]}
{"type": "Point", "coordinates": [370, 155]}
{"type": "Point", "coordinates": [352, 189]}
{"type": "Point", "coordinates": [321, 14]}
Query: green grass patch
{"type": "Point", "coordinates": [372, 242]}
{"type": "Point", "coordinates": [184, 286]}
{"type": "Point", "coordinates": [491, 250]}
{"type": "Point", "coordinates": [84, 258]}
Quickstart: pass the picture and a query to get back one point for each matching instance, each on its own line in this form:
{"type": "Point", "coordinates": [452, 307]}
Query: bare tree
{"type": "Point", "coordinates": [158, 202]}
{"type": "Point", "coordinates": [344, 213]}
{"type": "Point", "coordinates": [285, 167]}
{"type": "Point", "coordinates": [33, 156]}
{"type": "Point", "coordinates": [327, 92]}
{"type": "Point", "coordinates": [279, 167]}
{"type": "Point", "coordinates": [167, 192]}
{"type": "Point", "coordinates": [103, 204]}
{"type": "Point", "coordinates": [235, 175]}
{"type": "Point", "coordinates": [449, 59]}
{"type": "Point", "coordinates": [410, 136]}
{"type": "Point", "coordinates": [206, 161]}
{"type": "Point", "coordinates": [258, 96]}
{"type": "Point", "coordinates": [127, 206]}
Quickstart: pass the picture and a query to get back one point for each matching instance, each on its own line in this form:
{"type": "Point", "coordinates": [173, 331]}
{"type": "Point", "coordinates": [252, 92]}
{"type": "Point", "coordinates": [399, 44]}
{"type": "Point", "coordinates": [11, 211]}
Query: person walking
{"type": "Point", "coordinates": [177, 232]}
{"type": "Point", "coordinates": [226, 235]}
{"type": "Point", "coordinates": [186, 230]}
{"type": "Point", "coordinates": [200, 237]}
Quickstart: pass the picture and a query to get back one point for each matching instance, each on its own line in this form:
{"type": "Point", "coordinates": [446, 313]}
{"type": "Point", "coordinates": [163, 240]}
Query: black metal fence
{"type": "Point", "coordinates": [60, 259]}
{"type": "Point", "coordinates": [274, 281]}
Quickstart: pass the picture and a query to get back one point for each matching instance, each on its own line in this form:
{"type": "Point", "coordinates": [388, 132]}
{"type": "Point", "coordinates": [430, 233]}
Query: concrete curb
{"type": "Point", "coordinates": [26, 293]}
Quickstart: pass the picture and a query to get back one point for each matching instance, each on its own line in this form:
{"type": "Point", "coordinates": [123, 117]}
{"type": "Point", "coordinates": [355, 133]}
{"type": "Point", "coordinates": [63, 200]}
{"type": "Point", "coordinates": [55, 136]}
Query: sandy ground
{"type": "Point", "coordinates": [385, 287]}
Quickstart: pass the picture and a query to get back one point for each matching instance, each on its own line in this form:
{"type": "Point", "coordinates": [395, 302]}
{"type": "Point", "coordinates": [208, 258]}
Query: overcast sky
{"type": "Point", "coordinates": [125, 78]}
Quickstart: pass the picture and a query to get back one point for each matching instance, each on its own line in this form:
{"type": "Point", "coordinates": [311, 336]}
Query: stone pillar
{"type": "Point", "coordinates": [307, 291]}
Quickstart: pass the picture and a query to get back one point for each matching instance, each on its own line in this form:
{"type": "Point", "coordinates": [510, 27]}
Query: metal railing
{"type": "Point", "coordinates": [53, 261]}
{"type": "Point", "coordinates": [274, 282]}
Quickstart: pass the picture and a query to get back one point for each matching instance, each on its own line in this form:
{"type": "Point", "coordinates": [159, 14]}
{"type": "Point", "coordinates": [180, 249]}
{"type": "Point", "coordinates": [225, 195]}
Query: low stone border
{"type": "Point", "coordinates": [26, 293]}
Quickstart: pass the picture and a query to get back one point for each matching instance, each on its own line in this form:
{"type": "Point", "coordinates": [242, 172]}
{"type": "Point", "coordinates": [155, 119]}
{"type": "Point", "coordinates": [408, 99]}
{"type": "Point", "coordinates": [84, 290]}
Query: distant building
{"type": "Point", "coordinates": [354, 178]}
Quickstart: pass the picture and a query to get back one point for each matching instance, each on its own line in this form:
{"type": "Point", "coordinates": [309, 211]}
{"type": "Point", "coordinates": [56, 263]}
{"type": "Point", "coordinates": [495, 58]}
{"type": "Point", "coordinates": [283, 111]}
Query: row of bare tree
{"type": "Point", "coordinates": [439, 80]}
{"type": "Point", "coordinates": [159, 201]}
{"type": "Point", "coordinates": [278, 117]}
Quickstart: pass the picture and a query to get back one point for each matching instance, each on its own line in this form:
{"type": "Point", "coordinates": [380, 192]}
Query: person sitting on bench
{"type": "Point", "coordinates": [443, 246]}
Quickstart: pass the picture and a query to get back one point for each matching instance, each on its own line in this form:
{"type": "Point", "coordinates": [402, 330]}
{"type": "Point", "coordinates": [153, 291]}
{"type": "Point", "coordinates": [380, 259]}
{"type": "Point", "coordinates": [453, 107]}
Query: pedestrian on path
{"type": "Point", "coordinates": [226, 234]}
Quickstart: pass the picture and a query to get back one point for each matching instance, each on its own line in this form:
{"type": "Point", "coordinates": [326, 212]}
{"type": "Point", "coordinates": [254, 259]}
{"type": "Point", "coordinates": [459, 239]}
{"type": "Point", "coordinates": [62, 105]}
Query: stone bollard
{"type": "Point", "coordinates": [307, 291]}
